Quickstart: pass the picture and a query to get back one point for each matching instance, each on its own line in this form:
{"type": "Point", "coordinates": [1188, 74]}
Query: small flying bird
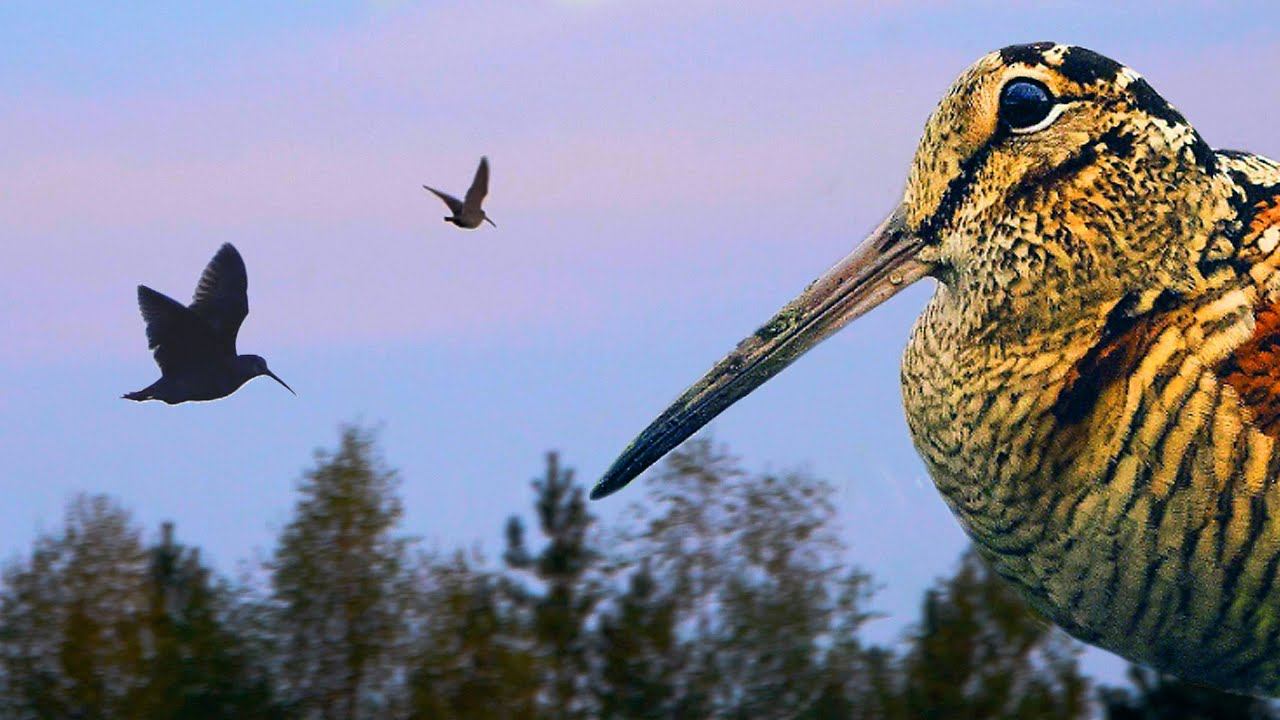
{"type": "Point", "coordinates": [1095, 385]}
{"type": "Point", "coordinates": [195, 345]}
{"type": "Point", "coordinates": [467, 213]}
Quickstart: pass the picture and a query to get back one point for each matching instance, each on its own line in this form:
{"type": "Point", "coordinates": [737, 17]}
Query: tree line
{"type": "Point", "coordinates": [723, 594]}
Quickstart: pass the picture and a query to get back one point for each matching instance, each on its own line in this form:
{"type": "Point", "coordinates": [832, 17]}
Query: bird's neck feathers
{"type": "Point", "coordinates": [1051, 257]}
{"type": "Point", "coordinates": [1030, 279]}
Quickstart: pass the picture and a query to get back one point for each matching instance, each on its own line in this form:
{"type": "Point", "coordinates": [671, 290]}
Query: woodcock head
{"type": "Point", "coordinates": [1048, 180]}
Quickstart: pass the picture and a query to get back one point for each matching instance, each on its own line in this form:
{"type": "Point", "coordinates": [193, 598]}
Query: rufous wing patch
{"type": "Point", "coordinates": [1253, 369]}
{"type": "Point", "coordinates": [1264, 230]}
{"type": "Point", "coordinates": [1125, 339]}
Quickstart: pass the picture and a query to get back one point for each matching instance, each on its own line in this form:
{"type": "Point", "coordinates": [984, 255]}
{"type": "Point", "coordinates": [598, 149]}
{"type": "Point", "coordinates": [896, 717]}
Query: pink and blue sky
{"type": "Point", "coordinates": [665, 175]}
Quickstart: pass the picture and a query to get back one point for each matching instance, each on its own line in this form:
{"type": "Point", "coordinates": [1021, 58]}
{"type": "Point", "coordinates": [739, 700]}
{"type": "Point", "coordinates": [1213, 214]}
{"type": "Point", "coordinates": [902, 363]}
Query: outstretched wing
{"type": "Point", "coordinates": [455, 205]}
{"type": "Point", "coordinates": [222, 296]}
{"type": "Point", "coordinates": [479, 185]}
{"type": "Point", "coordinates": [177, 337]}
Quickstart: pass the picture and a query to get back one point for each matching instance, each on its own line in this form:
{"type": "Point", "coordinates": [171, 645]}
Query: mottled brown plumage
{"type": "Point", "coordinates": [1095, 385]}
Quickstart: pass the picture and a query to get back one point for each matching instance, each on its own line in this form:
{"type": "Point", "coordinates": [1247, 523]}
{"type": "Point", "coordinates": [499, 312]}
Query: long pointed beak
{"type": "Point", "coordinates": [486, 219]}
{"type": "Point", "coordinates": [275, 377]}
{"type": "Point", "coordinates": [875, 271]}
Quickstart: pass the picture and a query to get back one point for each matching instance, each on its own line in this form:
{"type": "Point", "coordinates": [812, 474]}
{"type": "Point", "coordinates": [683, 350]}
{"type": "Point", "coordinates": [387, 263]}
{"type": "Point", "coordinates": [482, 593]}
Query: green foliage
{"type": "Point", "coordinates": [557, 588]}
{"type": "Point", "coordinates": [978, 651]}
{"type": "Point", "coordinates": [1160, 697]}
{"type": "Point", "coordinates": [94, 625]}
{"type": "Point", "coordinates": [640, 652]}
{"type": "Point", "coordinates": [474, 661]}
{"type": "Point", "coordinates": [722, 594]}
{"type": "Point", "coordinates": [340, 586]}
{"type": "Point", "coordinates": [72, 619]}
{"type": "Point", "coordinates": [200, 666]}
{"type": "Point", "coordinates": [762, 600]}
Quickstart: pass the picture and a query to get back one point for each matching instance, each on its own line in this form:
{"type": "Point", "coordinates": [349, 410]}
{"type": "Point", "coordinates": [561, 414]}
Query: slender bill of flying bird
{"type": "Point", "coordinates": [195, 345]}
{"type": "Point", "coordinates": [1094, 386]}
{"type": "Point", "coordinates": [468, 213]}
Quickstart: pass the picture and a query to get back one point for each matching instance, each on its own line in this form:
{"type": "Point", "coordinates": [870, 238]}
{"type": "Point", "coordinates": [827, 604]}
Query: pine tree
{"type": "Point", "coordinates": [557, 588]}
{"type": "Point", "coordinates": [639, 650]}
{"type": "Point", "coordinates": [473, 662]}
{"type": "Point", "coordinates": [199, 666]}
{"type": "Point", "coordinates": [979, 652]}
{"type": "Point", "coordinates": [341, 587]}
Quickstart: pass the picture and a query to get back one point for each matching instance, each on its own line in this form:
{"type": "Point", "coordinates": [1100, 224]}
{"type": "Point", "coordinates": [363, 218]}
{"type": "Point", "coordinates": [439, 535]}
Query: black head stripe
{"type": "Point", "coordinates": [1079, 65]}
{"type": "Point", "coordinates": [1146, 99]}
{"type": "Point", "coordinates": [959, 189]}
{"type": "Point", "coordinates": [1083, 66]}
{"type": "Point", "coordinates": [1149, 101]}
{"type": "Point", "coordinates": [1031, 54]}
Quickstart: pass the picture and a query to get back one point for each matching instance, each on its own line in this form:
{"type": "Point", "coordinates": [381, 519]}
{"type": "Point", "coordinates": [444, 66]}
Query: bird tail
{"type": "Point", "coordinates": [137, 396]}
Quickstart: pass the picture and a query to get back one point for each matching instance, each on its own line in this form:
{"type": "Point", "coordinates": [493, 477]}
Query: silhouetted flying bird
{"type": "Point", "coordinates": [468, 213]}
{"type": "Point", "coordinates": [195, 345]}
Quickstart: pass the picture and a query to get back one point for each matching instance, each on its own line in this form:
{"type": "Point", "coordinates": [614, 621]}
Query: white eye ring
{"type": "Point", "coordinates": [1046, 122]}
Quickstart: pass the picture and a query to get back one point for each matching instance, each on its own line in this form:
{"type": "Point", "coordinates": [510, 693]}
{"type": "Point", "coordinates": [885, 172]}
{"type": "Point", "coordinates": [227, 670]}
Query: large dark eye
{"type": "Point", "coordinates": [1025, 104]}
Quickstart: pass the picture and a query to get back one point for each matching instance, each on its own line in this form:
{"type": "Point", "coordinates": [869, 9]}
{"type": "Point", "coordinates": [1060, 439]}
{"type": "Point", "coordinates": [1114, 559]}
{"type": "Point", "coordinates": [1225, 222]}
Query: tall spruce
{"type": "Point", "coordinates": [557, 588]}
{"type": "Point", "coordinates": [341, 587]}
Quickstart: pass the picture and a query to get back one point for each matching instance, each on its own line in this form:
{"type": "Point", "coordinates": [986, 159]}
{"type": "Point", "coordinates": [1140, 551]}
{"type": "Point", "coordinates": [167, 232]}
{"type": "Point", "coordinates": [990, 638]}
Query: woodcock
{"type": "Point", "coordinates": [468, 213]}
{"type": "Point", "coordinates": [195, 345]}
{"type": "Point", "coordinates": [1095, 384]}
